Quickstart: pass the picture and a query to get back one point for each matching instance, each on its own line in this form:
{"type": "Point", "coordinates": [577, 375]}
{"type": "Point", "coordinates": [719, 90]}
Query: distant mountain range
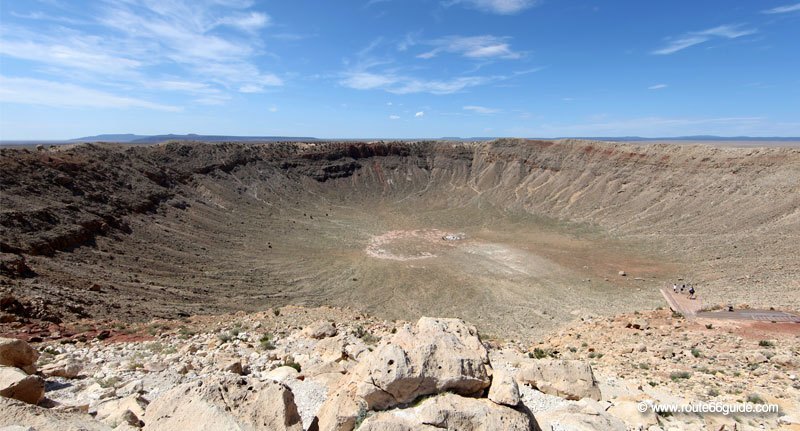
{"type": "Point", "coordinates": [688, 138]}
{"type": "Point", "coordinates": [152, 139]}
{"type": "Point", "coordinates": [131, 138]}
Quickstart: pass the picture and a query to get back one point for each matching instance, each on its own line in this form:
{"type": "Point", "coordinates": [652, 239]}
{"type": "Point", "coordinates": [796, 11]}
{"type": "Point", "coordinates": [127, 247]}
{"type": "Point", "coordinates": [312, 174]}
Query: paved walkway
{"type": "Point", "coordinates": [690, 309]}
{"type": "Point", "coordinates": [680, 303]}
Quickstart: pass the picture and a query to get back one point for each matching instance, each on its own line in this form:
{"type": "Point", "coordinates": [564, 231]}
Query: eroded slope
{"type": "Point", "coordinates": [185, 228]}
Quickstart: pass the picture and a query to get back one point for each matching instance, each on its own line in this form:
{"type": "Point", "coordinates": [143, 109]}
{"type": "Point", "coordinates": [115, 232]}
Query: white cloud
{"type": "Point", "coordinates": [479, 47]}
{"type": "Point", "coordinates": [273, 108]}
{"type": "Point", "coordinates": [500, 7]}
{"type": "Point", "coordinates": [210, 44]}
{"type": "Point", "coordinates": [368, 81]}
{"type": "Point", "coordinates": [695, 38]}
{"type": "Point", "coordinates": [657, 87]}
{"type": "Point", "coordinates": [48, 93]}
{"type": "Point", "coordinates": [394, 117]}
{"type": "Point", "coordinates": [783, 9]}
{"type": "Point", "coordinates": [250, 22]}
{"type": "Point", "coordinates": [419, 114]}
{"type": "Point", "coordinates": [397, 84]}
{"type": "Point", "coordinates": [480, 109]}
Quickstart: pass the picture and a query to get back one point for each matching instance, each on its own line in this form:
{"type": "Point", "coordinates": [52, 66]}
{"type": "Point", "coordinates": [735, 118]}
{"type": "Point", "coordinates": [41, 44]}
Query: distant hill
{"type": "Point", "coordinates": [687, 138]}
{"type": "Point", "coordinates": [120, 137]}
{"type": "Point", "coordinates": [152, 139]}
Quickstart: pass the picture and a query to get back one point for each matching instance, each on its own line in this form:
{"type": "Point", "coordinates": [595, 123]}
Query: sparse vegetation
{"type": "Point", "coordinates": [266, 342]}
{"type": "Point", "coordinates": [766, 343]}
{"type": "Point", "coordinates": [679, 375]}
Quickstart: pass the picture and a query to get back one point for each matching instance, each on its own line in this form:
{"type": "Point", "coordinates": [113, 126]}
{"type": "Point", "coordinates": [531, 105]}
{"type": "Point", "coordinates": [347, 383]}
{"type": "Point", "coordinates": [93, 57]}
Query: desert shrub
{"type": "Point", "coordinates": [266, 342]}
{"type": "Point", "coordinates": [679, 375]}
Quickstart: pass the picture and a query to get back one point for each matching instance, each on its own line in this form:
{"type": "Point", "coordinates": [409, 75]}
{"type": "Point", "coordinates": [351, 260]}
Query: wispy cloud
{"type": "Point", "coordinates": [500, 7]}
{"type": "Point", "coordinates": [399, 84]}
{"type": "Point", "coordinates": [48, 93]}
{"type": "Point", "coordinates": [783, 9]}
{"type": "Point", "coordinates": [211, 44]}
{"type": "Point", "coordinates": [478, 47]}
{"type": "Point", "coordinates": [690, 39]}
{"type": "Point", "coordinates": [419, 114]}
{"type": "Point", "coordinates": [480, 109]}
{"type": "Point", "coordinates": [394, 117]}
{"type": "Point", "coordinates": [657, 86]}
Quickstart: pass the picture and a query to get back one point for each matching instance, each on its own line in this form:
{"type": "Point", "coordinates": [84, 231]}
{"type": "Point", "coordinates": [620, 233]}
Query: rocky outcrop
{"type": "Point", "coordinates": [14, 383]}
{"type": "Point", "coordinates": [17, 353]}
{"type": "Point", "coordinates": [224, 403]}
{"type": "Point", "coordinates": [504, 389]}
{"type": "Point", "coordinates": [17, 414]}
{"type": "Point", "coordinates": [434, 356]}
{"type": "Point", "coordinates": [579, 417]}
{"type": "Point", "coordinates": [569, 379]}
{"type": "Point", "coordinates": [451, 412]}
{"type": "Point", "coordinates": [320, 330]}
{"type": "Point", "coordinates": [66, 368]}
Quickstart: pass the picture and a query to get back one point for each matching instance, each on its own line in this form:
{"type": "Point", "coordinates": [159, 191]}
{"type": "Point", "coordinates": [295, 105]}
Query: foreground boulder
{"type": "Point", "coordinates": [568, 379]}
{"type": "Point", "coordinates": [452, 412]}
{"type": "Point", "coordinates": [320, 330]}
{"type": "Point", "coordinates": [17, 414]}
{"type": "Point", "coordinates": [504, 389]}
{"type": "Point", "coordinates": [19, 354]}
{"type": "Point", "coordinates": [68, 369]}
{"type": "Point", "coordinates": [14, 383]}
{"type": "Point", "coordinates": [127, 410]}
{"type": "Point", "coordinates": [581, 416]}
{"type": "Point", "coordinates": [436, 355]}
{"type": "Point", "coordinates": [224, 403]}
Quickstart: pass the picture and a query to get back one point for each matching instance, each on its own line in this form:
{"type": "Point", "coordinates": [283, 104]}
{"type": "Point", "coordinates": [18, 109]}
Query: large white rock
{"type": "Point", "coordinates": [128, 410]}
{"type": "Point", "coordinates": [19, 354]}
{"type": "Point", "coordinates": [15, 413]}
{"type": "Point", "coordinates": [14, 383]}
{"type": "Point", "coordinates": [570, 379]}
{"type": "Point", "coordinates": [68, 369]}
{"type": "Point", "coordinates": [434, 356]}
{"type": "Point", "coordinates": [451, 412]}
{"type": "Point", "coordinates": [576, 417]}
{"type": "Point", "coordinates": [504, 389]}
{"type": "Point", "coordinates": [225, 403]}
{"type": "Point", "coordinates": [320, 329]}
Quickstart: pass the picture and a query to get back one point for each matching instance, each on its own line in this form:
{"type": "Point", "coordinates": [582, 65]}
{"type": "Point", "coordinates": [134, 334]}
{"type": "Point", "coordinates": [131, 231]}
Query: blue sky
{"type": "Point", "coordinates": [399, 68]}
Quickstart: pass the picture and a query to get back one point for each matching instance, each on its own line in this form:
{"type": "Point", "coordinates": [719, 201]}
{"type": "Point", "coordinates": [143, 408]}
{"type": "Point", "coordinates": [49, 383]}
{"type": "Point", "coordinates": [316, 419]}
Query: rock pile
{"type": "Point", "coordinates": [324, 369]}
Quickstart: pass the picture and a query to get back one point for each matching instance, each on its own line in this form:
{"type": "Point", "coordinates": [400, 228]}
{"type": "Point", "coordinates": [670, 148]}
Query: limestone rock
{"type": "Point", "coordinates": [128, 410]}
{"type": "Point", "coordinates": [233, 366]}
{"type": "Point", "coordinates": [570, 379]}
{"type": "Point", "coordinates": [67, 369]}
{"type": "Point", "coordinates": [575, 417]}
{"type": "Point", "coordinates": [18, 353]}
{"type": "Point", "coordinates": [784, 360]}
{"type": "Point", "coordinates": [504, 389]}
{"type": "Point", "coordinates": [452, 412]}
{"type": "Point", "coordinates": [282, 374]}
{"type": "Point", "coordinates": [435, 356]}
{"type": "Point", "coordinates": [16, 413]}
{"type": "Point", "coordinates": [14, 383]}
{"type": "Point", "coordinates": [629, 413]}
{"type": "Point", "coordinates": [340, 412]}
{"type": "Point", "coordinates": [319, 330]}
{"type": "Point", "coordinates": [224, 403]}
